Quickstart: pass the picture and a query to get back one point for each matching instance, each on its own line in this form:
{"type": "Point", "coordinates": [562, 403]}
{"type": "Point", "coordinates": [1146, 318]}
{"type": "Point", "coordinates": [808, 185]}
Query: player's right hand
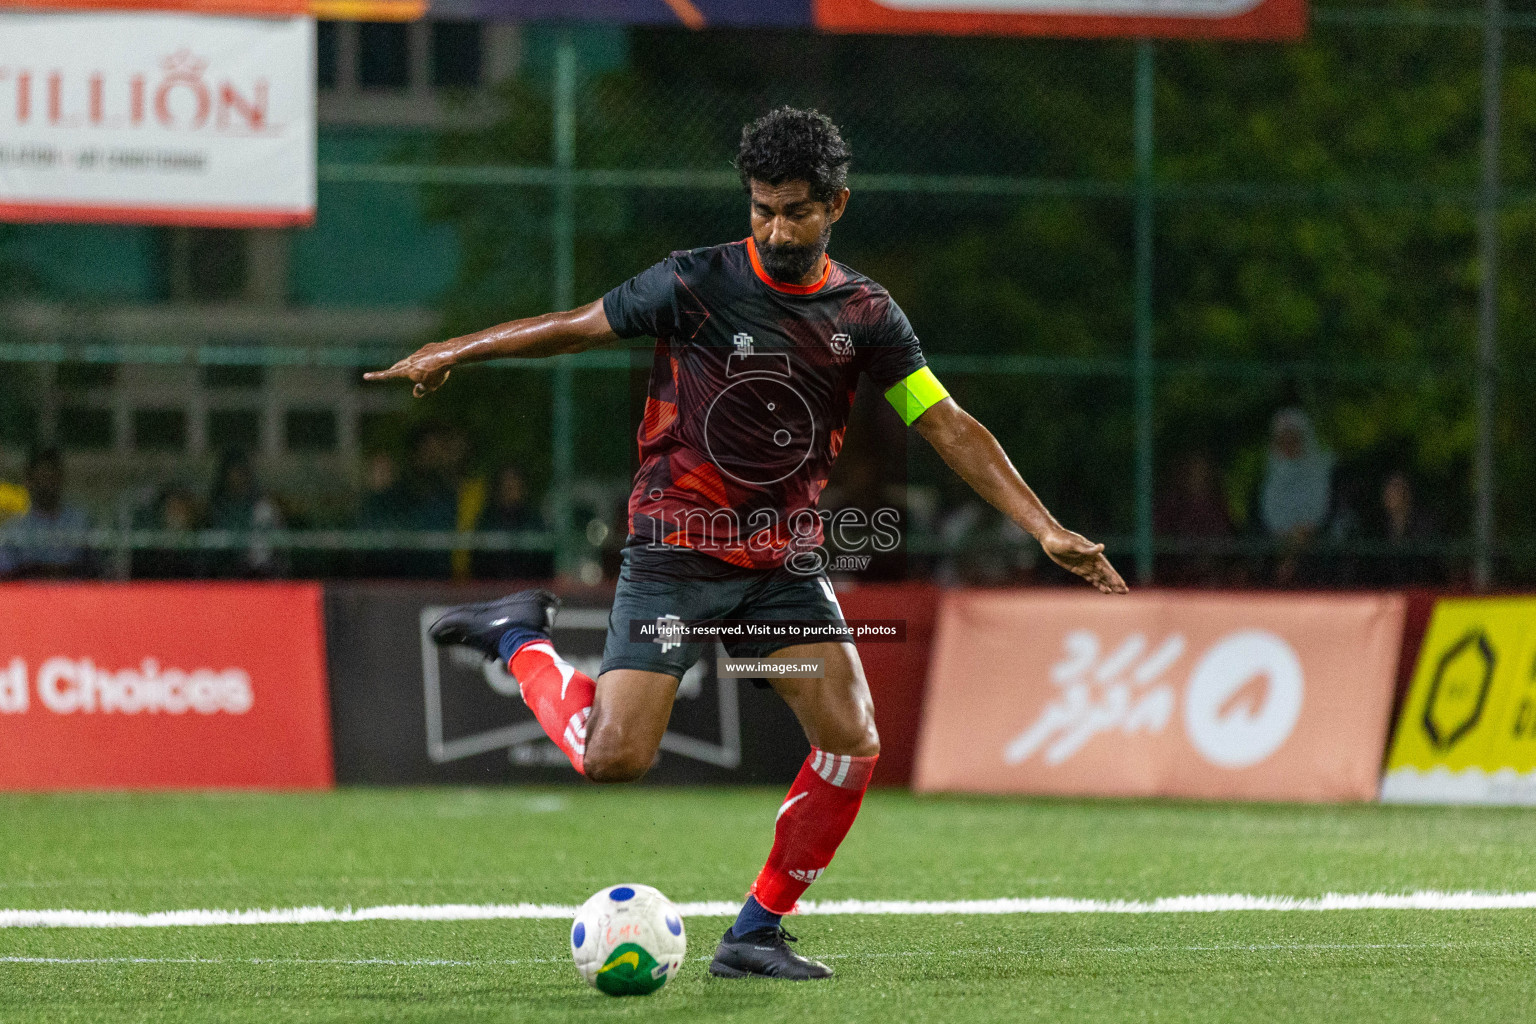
{"type": "Point", "coordinates": [426, 369]}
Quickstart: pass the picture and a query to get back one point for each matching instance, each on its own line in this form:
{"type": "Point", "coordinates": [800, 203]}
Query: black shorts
{"type": "Point", "coordinates": [657, 581]}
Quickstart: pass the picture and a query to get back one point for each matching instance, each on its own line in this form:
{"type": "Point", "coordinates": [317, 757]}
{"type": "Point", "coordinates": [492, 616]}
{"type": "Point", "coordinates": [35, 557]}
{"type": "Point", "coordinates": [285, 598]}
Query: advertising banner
{"type": "Point", "coordinates": [1231, 19]}
{"type": "Point", "coordinates": [253, 8]}
{"type": "Point", "coordinates": [897, 673]}
{"type": "Point", "coordinates": [335, 10]}
{"type": "Point", "coordinates": [1220, 696]}
{"type": "Point", "coordinates": [162, 685]}
{"type": "Point", "coordinates": [408, 711]}
{"type": "Point", "coordinates": [688, 13]}
{"type": "Point", "coordinates": [1467, 732]}
{"type": "Point", "coordinates": [157, 119]}
{"type": "Point", "coordinates": [1228, 19]}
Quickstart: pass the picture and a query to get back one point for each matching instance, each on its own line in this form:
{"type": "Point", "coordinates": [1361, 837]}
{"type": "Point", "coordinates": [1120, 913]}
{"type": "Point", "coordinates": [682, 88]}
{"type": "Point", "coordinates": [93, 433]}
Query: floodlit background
{"type": "Point", "coordinates": [1125, 258]}
{"type": "Point", "coordinates": [1257, 314]}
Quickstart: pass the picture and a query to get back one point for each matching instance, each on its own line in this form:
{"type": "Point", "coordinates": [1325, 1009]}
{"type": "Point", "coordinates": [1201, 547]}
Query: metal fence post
{"type": "Point", "coordinates": [1143, 128]}
{"type": "Point", "coordinates": [1483, 483]}
{"type": "Point", "coordinates": [563, 232]}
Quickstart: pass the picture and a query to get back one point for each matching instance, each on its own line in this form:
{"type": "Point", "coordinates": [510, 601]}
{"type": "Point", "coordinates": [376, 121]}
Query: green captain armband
{"type": "Point", "coordinates": [915, 395]}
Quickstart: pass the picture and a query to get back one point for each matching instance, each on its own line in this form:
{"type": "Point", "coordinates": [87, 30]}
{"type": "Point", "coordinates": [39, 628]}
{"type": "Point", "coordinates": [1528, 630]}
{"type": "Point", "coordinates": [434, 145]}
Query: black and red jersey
{"type": "Point", "coordinates": [749, 396]}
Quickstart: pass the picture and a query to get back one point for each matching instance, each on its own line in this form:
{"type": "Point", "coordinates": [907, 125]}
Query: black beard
{"type": "Point", "coordinates": [792, 264]}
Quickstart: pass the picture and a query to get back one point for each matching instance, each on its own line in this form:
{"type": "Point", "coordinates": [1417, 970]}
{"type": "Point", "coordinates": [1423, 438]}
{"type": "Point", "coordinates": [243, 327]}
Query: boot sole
{"type": "Point", "coordinates": [459, 634]}
{"type": "Point", "coordinates": [721, 970]}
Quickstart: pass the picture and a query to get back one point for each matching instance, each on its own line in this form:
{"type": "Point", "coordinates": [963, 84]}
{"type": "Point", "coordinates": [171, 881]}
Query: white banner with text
{"type": "Point", "coordinates": [121, 117]}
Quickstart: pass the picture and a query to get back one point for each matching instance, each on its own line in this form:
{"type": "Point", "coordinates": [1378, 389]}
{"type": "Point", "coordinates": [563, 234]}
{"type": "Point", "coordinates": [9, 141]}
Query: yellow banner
{"type": "Point", "coordinates": [326, 10]}
{"type": "Point", "coordinates": [1467, 732]}
{"type": "Point", "coordinates": [368, 10]}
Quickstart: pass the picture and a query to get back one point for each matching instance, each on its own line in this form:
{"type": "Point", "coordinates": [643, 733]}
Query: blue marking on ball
{"type": "Point", "coordinates": [579, 933]}
{"type": "Point", "coordinates": [674, 925]}
{"type": "Point", "coordinates": [621, 894]}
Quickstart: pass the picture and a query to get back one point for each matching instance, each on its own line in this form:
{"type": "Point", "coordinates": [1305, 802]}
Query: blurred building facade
{"type": "Point", "coordinates": [994, 197]}
{"type": "Point", "coordinates": [367, 278]}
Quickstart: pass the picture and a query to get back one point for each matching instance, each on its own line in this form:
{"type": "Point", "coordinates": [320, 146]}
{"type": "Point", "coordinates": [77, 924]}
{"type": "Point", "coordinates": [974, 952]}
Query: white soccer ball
{"type": "Point", "coordinates": [628, 940]}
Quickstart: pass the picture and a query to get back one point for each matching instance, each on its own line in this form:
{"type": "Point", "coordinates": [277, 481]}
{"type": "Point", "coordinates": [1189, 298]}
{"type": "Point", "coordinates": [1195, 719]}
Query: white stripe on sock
{"type": "Point", "coordinates": [828, 766]}
{"type": "Point", "coordinates": [846, 762]}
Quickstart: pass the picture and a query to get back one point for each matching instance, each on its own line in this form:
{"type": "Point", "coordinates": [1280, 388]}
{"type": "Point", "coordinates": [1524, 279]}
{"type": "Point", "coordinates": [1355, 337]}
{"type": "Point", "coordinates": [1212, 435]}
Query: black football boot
{"type": "Point", "coordinates": [481, 626]}
{"type": "Point", "coordinates": [764, 954]}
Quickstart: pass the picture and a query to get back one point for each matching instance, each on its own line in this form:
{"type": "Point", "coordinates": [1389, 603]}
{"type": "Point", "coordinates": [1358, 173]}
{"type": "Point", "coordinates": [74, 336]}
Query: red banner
{"type": "Point", "coordinates": [1184, 19]}
{"type": "Point", "coordinates": [1221, 696]}
{"type": "Point", "coordinates": [162, 686]}
{"type": "Point", "coordinates": [896, 672]}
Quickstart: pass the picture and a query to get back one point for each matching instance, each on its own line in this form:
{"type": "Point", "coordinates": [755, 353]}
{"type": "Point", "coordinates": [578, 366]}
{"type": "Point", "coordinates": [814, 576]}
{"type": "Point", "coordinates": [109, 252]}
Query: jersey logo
{"type": "Point", "coordinates": [745, 361]}
{"type": "Point", "coordinates": [842, 345]}
{"type": "Point", "coordinates": [669, 632]}
{"type": "Point", "coordinates": [765, 428]}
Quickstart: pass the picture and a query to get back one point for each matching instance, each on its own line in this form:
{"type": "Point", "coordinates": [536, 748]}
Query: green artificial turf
{"type": "Point", "coordinates": [365, 847]}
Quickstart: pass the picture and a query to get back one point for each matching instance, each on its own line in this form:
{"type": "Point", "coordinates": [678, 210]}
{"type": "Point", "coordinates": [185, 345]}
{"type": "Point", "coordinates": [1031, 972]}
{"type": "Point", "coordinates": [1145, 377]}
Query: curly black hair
{"type": "Point", "coordinates": [794, 145]}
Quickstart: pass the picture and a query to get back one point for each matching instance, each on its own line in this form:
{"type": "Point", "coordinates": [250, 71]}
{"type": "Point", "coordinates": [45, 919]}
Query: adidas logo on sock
{"type": "Point", "coordinates": [576, 731]}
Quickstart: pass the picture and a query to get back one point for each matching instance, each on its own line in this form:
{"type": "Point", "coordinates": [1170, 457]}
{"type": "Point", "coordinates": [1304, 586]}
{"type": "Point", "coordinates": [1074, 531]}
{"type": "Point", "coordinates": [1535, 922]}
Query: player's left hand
{"type": "Point", "coordinates": [1076, 553]}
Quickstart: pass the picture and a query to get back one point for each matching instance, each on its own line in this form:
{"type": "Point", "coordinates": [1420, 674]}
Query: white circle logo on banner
{"type": "Point", "coordinates": [1239, 736]}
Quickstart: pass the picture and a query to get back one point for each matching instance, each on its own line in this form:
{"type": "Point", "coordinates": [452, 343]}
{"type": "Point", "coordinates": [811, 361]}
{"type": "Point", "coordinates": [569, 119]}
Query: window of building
{"type": "Point", "coordinates": [159, 429]}
{"type": "Point", "coordinates": [85, 427]}
{"type": "Point", "coordinates": [456, 54]}
{"type": "Point", "coordinates": [376, 430]}
{"type": "Point", "coordinates": [327, 44]}
{"type": "Point", "coordinates": [233, 377]}
{"type": "Point", "coordinates": [76, 377]}
{"type": "Point", "coordinates": [383, 55]}
{"type": "Point", "coordinates": [18, 424]}
{"type": "Point", "coordinates": [234, 428]}
{"type": "Point", "coordinates": [205, 264]}
{"type": "Point", "coordinates": [310, 430]}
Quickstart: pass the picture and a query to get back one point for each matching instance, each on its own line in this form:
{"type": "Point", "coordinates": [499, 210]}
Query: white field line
{"type": "Point", "coordinates": [1202, 904]}
{"type": "Point", "coordinates": [1055, 951]}
{"type": "Point", "coordinates": [259, 961]}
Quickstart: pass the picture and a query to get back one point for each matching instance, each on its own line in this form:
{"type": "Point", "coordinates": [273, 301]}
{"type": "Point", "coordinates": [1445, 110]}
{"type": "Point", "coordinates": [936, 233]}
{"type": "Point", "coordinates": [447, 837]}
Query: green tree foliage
{"type": "Point", "coordinates": [1312, 212]}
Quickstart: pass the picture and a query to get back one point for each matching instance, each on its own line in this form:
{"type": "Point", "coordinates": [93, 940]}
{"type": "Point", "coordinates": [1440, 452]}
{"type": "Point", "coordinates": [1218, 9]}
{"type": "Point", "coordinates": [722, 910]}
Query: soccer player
{"type": "Point", "coordinates": [759, 346]}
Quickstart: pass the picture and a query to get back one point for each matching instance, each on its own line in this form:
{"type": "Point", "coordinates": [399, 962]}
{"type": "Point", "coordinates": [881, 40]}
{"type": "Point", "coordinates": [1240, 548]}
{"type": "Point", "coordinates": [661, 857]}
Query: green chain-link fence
{"type": "Point", "coordinates": [1123, 257]}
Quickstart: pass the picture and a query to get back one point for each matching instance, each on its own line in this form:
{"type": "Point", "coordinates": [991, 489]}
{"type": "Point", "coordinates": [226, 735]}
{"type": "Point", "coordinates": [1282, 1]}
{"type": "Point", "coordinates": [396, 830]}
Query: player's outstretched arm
{"type": "Point", "coordinates": [972, 451]}
{"type": "Point", "coordinates": [552, 334]}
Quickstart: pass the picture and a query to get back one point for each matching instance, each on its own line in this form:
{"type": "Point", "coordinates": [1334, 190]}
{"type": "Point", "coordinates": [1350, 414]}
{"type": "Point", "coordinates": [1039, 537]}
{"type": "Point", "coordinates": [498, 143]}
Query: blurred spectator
{"type": "Point", "coordinates": [1295, 498]}
{"type": "Point", "coordinates": [382, 508]}
{"type": "Point", "coordinates": [237, 504]}
{"type": "Point", "coordinates": [1405, 529]}
{"type": "Point", "coordinates": [1193, 509]}
{"type": "Point", "coordinates": [13, 500]}
{"type": "Point", "coordinates": [381, 492]}
{"type": "Point", "coordinates": [426, 498]}
{"type": "Point", "coordinates": [45, 559]}
{"type": "Point", "coordinates": [1354, 492]}
{"type": "Point", "coordinates": [174, 510]}
{"type": "Point", "coordinates": [510, 510]}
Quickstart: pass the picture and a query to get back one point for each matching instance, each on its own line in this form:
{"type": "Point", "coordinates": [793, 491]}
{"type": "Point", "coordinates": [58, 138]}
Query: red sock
{"type": "Point", "coordinates": [814, 818]}
{"type": "Point", "coordinates": [559, 696]}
